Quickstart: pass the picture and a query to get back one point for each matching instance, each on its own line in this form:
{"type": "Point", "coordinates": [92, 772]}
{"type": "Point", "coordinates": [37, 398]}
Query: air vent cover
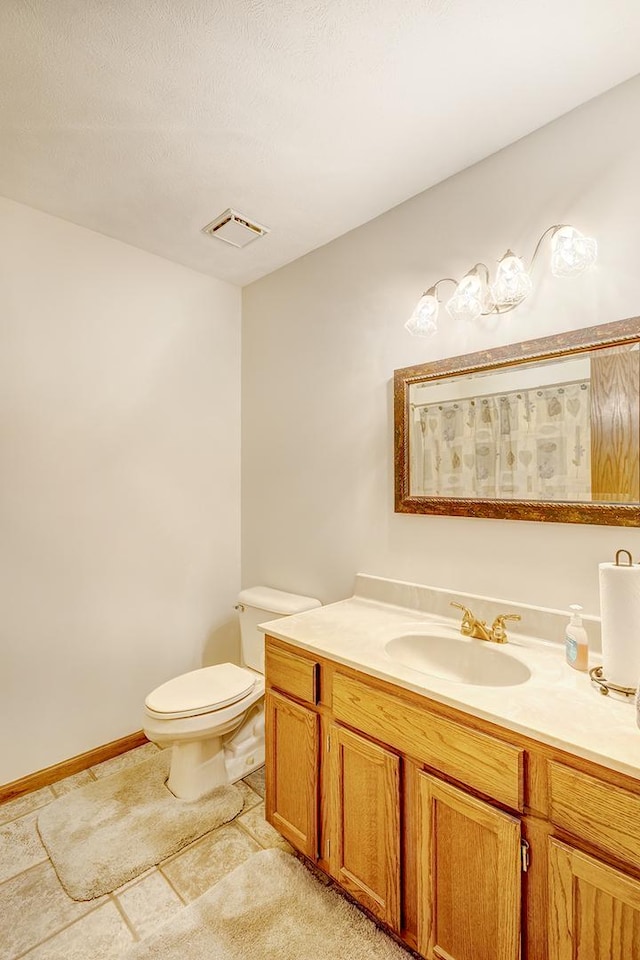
{"type": "Point", "coordinates": [234, 228]}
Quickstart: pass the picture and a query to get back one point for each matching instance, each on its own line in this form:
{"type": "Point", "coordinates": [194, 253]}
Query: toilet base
{"type": "Point", "coordinates": [202, 760]}
{"type": "Point", "coordinates": [197, 767]}
{"type": "Point", "coordinates": [244, 750]}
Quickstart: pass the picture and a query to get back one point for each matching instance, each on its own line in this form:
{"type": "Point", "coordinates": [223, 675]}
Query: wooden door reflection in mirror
{"type": "Point", "coordinates": [547, 429]}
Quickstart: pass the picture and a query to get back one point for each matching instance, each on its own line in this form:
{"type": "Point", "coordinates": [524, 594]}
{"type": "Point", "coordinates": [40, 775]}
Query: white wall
{"type": "Point", "coordinates": [322, 336]}
{"type": "Point", "coordinates": [119, 483]}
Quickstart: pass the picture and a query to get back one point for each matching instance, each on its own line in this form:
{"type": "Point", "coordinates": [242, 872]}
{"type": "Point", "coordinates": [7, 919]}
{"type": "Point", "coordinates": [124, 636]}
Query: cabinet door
{"type": "Point", "coordinates": [594, 910]}
{"type": "Point", "coordinates": [365, 822]}
{"type": "Point", "coordinates": [469, 876]}
{"type": "Point", "coordinates": [292, 754]}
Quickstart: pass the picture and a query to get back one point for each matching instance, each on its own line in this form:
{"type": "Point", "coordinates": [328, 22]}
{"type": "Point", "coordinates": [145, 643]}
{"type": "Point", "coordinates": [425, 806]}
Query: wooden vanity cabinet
{"type": "Point", "coordinates": [363, 781]}
{"type": "Point", "coordinates": [467, 840]}
{"type": "Point", "coordinates": [594, 893]}
{"type": "Point", "coordinates": [292, 750]}
{"type": "Point", "coordinates": [332, 793]}
{"type": "Point", "coordinates": [469, 876]}
{"type": "Point", "coordinates": [595, 909]}
{"type": "Point", "coordinates": [292, 734]}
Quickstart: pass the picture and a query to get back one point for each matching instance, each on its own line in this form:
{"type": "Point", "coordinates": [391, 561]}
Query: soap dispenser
{"type": "Point", "coordinates": [576, 641]}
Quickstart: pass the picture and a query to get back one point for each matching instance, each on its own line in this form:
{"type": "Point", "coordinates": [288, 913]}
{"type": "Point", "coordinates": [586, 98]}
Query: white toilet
{"type": "Point", "coordinates": [213, 718]}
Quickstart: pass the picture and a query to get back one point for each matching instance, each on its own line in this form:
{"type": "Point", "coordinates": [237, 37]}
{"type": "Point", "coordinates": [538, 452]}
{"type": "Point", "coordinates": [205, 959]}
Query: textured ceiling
{"type": "Point", "coordinates": [144, 119]}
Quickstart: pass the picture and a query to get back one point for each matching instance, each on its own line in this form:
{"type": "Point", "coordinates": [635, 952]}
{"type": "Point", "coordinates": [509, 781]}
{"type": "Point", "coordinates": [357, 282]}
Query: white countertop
{"type": "Point", "coordinates": [557, 705]}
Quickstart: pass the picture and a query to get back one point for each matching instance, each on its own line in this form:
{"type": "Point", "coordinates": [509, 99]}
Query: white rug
{"type": "Point", "coordinates": [269, 908]}
{"type": "Point", "coordinates": [108, 832]}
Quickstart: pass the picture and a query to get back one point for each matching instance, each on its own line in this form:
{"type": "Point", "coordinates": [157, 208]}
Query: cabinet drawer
{"type": "Point", "coordinates": [605, 816]}
{"type": "Point", "coordinates": [488, 765]}
{"type": "Point", "coordinates": [291, 674]}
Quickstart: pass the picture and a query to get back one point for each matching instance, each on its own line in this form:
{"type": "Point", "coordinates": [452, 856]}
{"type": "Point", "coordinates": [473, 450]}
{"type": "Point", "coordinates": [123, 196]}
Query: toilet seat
{"type": "Point", "coordinates": [200, 692]}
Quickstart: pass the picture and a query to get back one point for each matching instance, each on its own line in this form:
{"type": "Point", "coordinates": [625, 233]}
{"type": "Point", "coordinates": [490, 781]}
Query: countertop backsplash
{"type": "Point", "coordinates": [542, 622]}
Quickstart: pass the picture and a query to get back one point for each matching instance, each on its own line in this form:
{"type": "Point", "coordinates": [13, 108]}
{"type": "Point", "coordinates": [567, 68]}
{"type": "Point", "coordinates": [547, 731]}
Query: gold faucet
{"type": "Point", "coordinates": [472, 627]}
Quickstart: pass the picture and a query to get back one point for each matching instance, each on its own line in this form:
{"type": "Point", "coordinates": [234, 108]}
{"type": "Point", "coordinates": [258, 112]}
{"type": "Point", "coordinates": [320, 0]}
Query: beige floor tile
{"type": "Point", "coordinates": [130, 883]}
{"type": "Point", "coordinates": [263, 832]}
{"type": "Point", "coordinates": [38, 921]}
{"type": "Point", "coordinates": [20, 846]}
{"type": "Point", "coordinates": [250, 797]}
{"type": "Point", "coordinates": [124, 760]}
{"type": "Point", "coordinates": [101, 935]}
{"type": "Point", "coordinates": [33, 906]}
{"type": "Point", "coordinates": [72, 783]}
{"type": "Point", "coordinates": [197, 868]}
{"type": "Point", "coordinates": [256, 781]}
{"type": "Point", "coordinates": [149, 902]}
{"type": "Point", "coordinates": [26, 804]}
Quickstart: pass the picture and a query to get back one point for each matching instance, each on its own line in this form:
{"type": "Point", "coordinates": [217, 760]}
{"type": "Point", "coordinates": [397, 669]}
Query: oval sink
{"type": "Point", "coordinates": [450, 656]}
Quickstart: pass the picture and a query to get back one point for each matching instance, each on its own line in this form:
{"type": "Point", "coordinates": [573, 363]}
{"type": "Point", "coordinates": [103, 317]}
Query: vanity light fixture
{"type": "Point", "coordinates": [477, 296]}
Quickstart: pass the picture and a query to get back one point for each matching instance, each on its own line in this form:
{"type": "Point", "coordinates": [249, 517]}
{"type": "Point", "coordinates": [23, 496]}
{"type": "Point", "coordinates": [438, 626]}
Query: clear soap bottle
{"type": "Point", "coordinates": [576, 641]}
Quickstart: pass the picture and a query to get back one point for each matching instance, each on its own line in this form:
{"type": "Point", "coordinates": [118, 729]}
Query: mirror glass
{"type": "Point", "coordinates": [498, 434]}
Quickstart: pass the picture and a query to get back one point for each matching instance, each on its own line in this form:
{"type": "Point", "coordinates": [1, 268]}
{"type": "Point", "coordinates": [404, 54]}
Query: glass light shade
{"type": "Point", "coordinates": [423, 322]}
{"type": "Point", "coordinates": [512, 284]}
{"type": "Point", "coordinates": [466, 303]}
{"type": "Point", "coordinates": [571, 252]}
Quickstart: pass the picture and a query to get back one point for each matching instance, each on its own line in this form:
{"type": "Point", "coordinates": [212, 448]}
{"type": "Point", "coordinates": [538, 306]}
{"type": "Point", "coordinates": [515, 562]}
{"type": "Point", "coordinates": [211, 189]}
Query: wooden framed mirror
{"type": "Point", "coordinates": [548, 429]}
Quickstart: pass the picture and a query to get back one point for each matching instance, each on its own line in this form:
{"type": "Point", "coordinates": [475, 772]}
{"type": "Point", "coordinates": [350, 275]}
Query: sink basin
{"type": "Point", "coordinates": [447, 655]}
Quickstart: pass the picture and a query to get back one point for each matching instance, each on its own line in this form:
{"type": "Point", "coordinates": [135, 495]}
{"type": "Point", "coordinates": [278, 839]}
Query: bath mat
{"type": "Point", "coordinates": [108, 832]}
{"type": "Point", "coordinates": [268, 908]}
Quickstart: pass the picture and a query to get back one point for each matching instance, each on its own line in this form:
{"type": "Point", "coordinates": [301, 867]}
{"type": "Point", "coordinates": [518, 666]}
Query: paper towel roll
{"type": "Point", "coordinates": [620, 612]}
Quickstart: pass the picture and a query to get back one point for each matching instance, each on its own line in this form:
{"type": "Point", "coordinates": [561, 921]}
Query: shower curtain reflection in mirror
{"type": "Point", "coordinates": [521, 444]}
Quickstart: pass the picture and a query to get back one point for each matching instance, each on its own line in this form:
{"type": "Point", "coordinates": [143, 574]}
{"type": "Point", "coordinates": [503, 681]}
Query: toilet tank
{"type": "Point", "coordinates": [258, 605]}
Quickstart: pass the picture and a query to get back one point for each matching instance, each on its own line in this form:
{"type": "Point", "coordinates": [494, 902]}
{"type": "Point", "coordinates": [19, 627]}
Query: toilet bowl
{"type": "Point", "coordinates": [193, 714]}
{"type": "Point", "coordinates": [213, 718]}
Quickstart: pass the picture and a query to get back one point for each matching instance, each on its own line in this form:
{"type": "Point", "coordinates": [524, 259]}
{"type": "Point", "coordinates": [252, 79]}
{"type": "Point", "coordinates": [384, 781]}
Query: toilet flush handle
{"type": "Point", "coordinates": [239, 607]}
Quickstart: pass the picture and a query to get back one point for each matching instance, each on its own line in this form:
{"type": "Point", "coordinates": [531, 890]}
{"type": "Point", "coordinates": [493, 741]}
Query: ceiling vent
{"type": "Point", "coordinates": [235, 229]}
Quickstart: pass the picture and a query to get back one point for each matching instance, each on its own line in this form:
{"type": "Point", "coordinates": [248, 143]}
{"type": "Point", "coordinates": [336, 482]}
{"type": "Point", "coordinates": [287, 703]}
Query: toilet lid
{"type": "Point", "coordinates": [201, 691]}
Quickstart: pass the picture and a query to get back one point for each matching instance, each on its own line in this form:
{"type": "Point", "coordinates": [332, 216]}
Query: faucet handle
{"type": "Point", "coordinates": [467, 618]}
{"type": "Point", "coordinates": [498, 630]}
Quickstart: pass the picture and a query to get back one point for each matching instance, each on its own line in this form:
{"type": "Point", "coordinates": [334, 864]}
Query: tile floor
{"type": "Point", "coordinates": [39, 921]}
